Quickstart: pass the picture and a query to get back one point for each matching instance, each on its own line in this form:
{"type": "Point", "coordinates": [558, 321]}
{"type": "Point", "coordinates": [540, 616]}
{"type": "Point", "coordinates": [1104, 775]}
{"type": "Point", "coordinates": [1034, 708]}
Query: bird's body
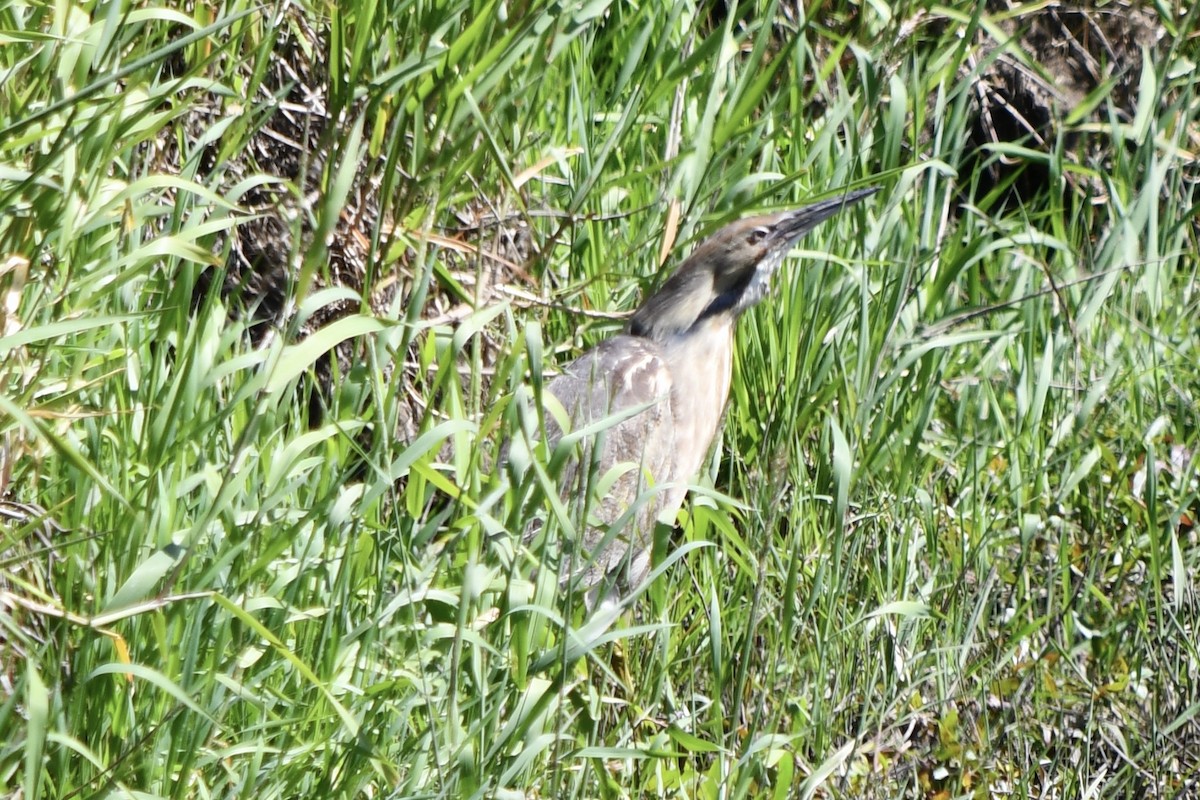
{"type": "Point", "coordinates": [666, 379]}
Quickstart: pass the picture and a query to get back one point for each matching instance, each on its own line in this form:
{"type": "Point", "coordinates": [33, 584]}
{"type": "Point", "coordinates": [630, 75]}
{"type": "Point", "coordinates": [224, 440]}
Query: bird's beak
{"type": "Point", "coordinates": [794, 224]}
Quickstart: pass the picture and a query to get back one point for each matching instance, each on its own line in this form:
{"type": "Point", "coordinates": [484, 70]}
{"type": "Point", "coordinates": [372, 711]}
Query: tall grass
{"type": "Point", "coordinates": [946, 548]}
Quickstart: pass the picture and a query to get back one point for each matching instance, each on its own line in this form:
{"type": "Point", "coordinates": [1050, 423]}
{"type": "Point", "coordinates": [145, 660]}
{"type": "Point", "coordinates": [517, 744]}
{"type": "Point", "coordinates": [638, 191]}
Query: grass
{"type": "Point", "coordinates": [947, 546]}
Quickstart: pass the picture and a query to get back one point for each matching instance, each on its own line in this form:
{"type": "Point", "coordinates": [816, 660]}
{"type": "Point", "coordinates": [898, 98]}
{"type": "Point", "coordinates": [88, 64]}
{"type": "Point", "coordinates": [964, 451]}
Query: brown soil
{"type": "Point", "coordinates": [1054, 58]}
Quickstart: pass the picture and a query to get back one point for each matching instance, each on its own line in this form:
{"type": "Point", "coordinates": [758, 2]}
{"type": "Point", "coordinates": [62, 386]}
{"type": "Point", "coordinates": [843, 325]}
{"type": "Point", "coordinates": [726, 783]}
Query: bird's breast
{"type": "Point", "coordinates": [701, 365]}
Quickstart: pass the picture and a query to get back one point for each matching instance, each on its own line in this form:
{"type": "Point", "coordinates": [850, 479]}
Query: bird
{"type": "Point", "coordinates": [652, 399]}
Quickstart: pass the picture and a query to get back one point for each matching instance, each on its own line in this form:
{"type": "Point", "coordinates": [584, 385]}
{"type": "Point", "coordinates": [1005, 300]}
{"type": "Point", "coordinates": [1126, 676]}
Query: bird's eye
{"type": "Point", "coordinates": [756, 235]}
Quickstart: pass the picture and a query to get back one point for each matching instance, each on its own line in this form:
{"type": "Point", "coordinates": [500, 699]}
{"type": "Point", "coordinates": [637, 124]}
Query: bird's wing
{"type": "Point", "coordinates": [618, 375]}
{"type": "Point", "coordinates": [625, 375]}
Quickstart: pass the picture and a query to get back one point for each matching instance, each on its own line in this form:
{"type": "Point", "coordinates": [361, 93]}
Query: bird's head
{"type": "Point", "coordinates": [731, 270]}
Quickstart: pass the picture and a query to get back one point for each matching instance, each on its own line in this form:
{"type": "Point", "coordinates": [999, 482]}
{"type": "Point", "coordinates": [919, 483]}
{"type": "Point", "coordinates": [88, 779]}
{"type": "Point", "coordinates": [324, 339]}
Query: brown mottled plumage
{"type": "Point", "coordinates": [669, 375]}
